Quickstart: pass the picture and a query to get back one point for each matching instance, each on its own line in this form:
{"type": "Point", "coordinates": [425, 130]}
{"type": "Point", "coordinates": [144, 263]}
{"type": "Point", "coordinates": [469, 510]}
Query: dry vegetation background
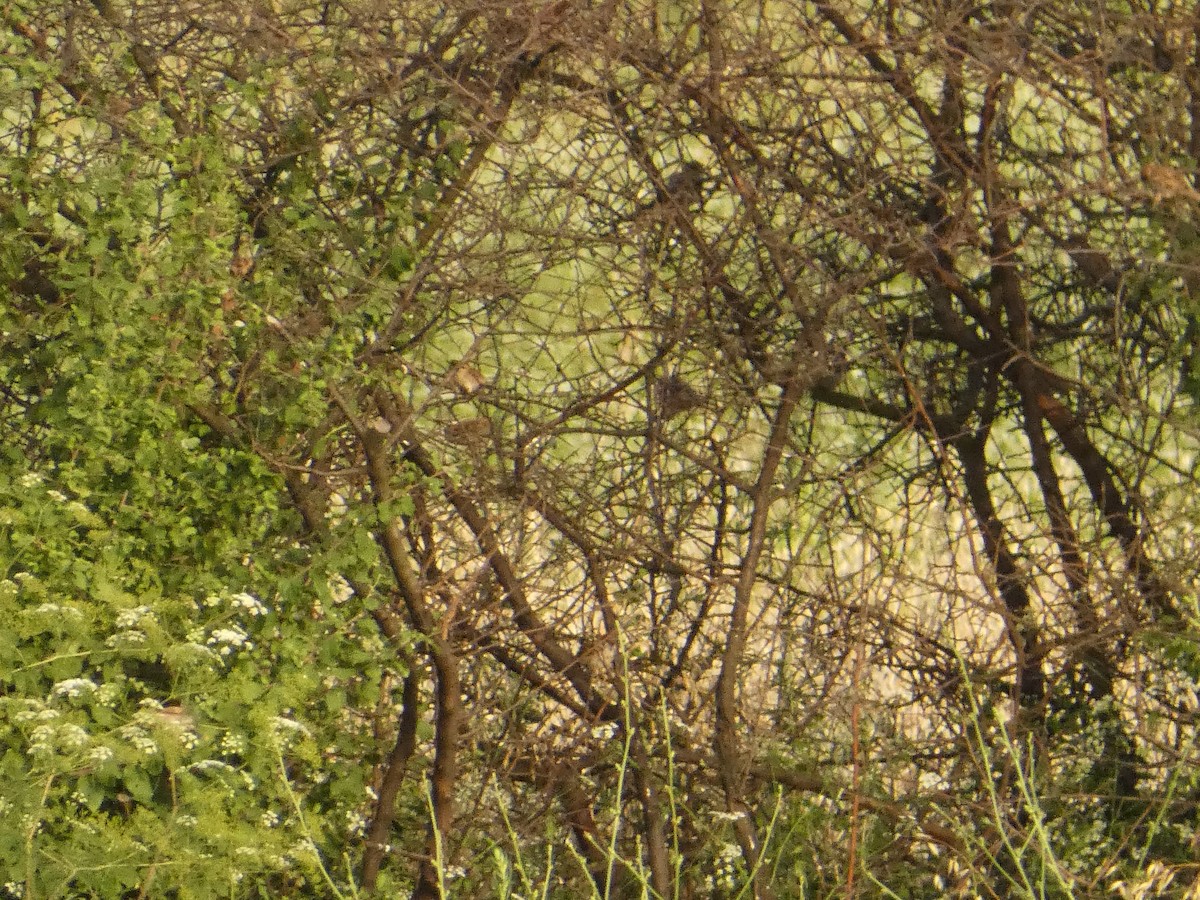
{"type": "Point", "coordinates": [763, 428]}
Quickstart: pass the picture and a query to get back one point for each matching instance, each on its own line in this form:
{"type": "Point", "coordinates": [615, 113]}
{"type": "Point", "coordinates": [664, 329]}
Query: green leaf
{"type": "Point", "coordinates": [137, 783]}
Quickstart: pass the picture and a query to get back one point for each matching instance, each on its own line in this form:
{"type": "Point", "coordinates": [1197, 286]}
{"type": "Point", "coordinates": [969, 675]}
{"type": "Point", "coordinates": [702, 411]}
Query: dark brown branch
{"type": "Point", "coordinates": [379, 832]}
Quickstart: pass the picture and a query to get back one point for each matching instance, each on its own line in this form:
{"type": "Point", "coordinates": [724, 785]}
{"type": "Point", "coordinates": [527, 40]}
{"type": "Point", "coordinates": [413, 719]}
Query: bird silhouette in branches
{"type": "Point", "coordinates": [679, 193]}
{"type": "Point", "coordinates": [673, 396]}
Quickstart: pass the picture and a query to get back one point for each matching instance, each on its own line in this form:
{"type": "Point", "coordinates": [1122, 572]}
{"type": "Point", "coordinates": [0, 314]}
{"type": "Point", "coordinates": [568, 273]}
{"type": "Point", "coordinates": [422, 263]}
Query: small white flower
{"type": "Point", "coordinates": [128, 618]}
{"type": "Point", "coordinates": [131, 637]}
{"type": "Point", "coordinates": [31, 479]}
{"type": "Point", "coordinates": [40, 741]}
{"type": "Point", "coordinates": [234, 744]}
{"type": "Point", "coordinates": [249, 603]}
{"type": "Point", "coordinates": [74, 687]}
{"type": "Point", "coordinates": [269, 819]}
{"type": "Point", "coordinates": [356, 823]}
{"type": "Point", "coordinates": [729, 853]}
{"type": "Point", "coordinates": [24, 717]}
{"type": "Point", "coordinates": [108, 694]}
{"type": "Point", "coordinates": [57, 496]}
{"type": "Point", "coordinates": [287, 730]}
{"type": "Point", "coordinates": [339, 588]}
{"type": "Point", "coordinates": [139, 739]}
{"type": "Point", "coordinates": [230, 639]}
{"type": "Point", "coordinates": [57, 610]}
{"type": "Point", "coordinates": [73, 737]}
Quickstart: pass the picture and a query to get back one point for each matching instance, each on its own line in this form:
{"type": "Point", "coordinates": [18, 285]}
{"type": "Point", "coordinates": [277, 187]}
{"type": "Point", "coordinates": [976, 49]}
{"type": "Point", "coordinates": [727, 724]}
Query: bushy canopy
{"type": "Point", "coordinates": [599, 449]}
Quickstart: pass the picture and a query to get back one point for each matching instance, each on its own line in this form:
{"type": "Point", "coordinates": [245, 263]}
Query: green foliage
{"type": "Point", "coordinates": [181, 676]}
{"type": "Point", "coordinates": [113, 611]}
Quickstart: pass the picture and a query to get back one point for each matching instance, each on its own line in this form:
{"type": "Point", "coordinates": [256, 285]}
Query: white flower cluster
{"type": "Point", "coordinates": [248, 603]}
{"type": "Point", "coordinates": [65, 737]}
{"type": "Point", "coordinates": [725, 868]}
{"type": "Point", "coordinates": [57, 610]}
{"type": "Point", "coordinates": [34, 711]}
{"type": "Point", "coordinates": [73, 737]}
{"type": "Point", "coordinates": [288, 730]}
{"type": "Point", "coordinates": [233, 744]}
{"type": "Point", "coordinates": [242, 601]}
{"type": "Point", "coordinates": [130, 638]}
{"type": "Point", "coordinates": [129, 618]}
{"type": "Point", "coordinates": [41, 741]}
{"type": "Point", "coordinates": [73, 688]}
{"type": "Point", "coordinates": [229, 639]}
{"type": "Point", "coordinates": [356, 823]}
{"type": "Point", "coordinates": [108, 694]}
{"type": "Point", "coordinates": [139, 738]}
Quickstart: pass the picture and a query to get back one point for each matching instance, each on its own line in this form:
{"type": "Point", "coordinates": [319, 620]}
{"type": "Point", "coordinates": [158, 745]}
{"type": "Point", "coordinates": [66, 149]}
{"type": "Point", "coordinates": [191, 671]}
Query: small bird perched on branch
{"type": "Point", "coordinates": [686, 186]}
{"type": "Point", "coordinates": [466, 379]}
{"type": "Point", "coordinates": [679, 193]}
{"type": "Point", "coordinates": [674, 396]}
{"type": "Point", "coordinates": [1169, 183]}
